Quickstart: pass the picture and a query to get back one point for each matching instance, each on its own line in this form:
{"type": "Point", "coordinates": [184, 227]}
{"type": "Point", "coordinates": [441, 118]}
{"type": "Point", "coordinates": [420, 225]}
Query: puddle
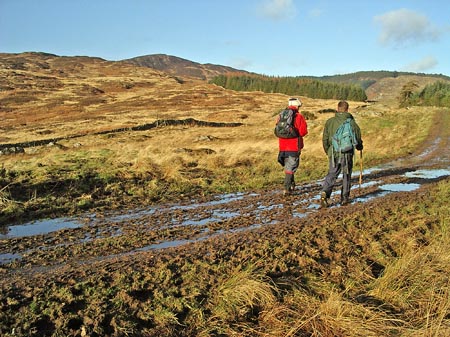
{"type": "Point", "coordinates": [302, 215]}
{"type": "Point", "coordinates": [131, 215]}
{"type": "Point", "coordinates": [371, 196]}
{"type": "Point", "coordinates": [431, 149]}
{"type": "Point", "coordinates": [9, 257]}
{"type": "Point", "coordinates": [39, 227]}
{"type": "Point", "coordinates": [177, 243]}
{"type": "Point", "coordinates": [428, 174]}
{"type": "Point", "coordinates": [216, 216]}
{"type": "Point", "coordinates": [400, 187]}
{"type": "Point", "coordinates": [51, 225]}
{"type": "Point", "coordinates": [368, 184]}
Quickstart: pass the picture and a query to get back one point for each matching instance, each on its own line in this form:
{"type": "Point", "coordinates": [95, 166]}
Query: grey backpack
{"type": "Point", "coordinates": [285, 125]}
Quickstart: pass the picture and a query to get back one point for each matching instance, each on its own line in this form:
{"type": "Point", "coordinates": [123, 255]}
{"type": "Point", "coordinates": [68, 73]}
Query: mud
{"type": "Point", "coordinates": [103, 236]}
{"type": "Point", "coordinates": [75, 248]}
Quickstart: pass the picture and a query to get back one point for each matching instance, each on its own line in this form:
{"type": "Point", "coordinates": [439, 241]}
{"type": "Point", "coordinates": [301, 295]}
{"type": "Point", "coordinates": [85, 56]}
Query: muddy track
{"type": "Point", "coordinates": [39, 250]}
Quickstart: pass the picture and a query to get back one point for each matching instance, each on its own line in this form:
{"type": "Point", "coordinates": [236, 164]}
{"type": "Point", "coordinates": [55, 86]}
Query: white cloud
{"type": "Point", "coordinates": [422, 65]}
{"type": "Point", "coordinates": [405, 27]}
{"type": "Point", "coordinates": [278, 9]}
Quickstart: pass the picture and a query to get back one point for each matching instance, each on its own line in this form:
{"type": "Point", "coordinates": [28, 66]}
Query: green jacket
{"type": "Point", "coordinates": [330, 129]}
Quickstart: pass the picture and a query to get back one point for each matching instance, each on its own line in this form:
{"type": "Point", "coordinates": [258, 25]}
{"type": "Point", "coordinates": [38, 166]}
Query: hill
{"type": "Point", "coordinates": [177, 66]}
{"type": "Point", "coordinates": [385, 86]}
{"type": "Point", "coordinates": [41, 92]}
{"type": "Point", "coordinates": [382, 85]}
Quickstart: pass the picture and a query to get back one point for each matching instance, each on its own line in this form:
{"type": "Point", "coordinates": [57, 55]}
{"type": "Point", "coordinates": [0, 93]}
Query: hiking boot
{"type": "Point", "coordinates": [292, 188]}
{"type": "Point", "coordinates": [345, 201]}
{"type": "Point", "coordinates": [323, 200]}
{"type": "Point", "coordinates": [288, 182]}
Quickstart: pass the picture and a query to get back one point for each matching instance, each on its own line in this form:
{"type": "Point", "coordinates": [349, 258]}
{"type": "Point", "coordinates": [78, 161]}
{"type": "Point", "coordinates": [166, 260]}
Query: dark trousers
{"type": "Point", "coordinates": [343, 164]}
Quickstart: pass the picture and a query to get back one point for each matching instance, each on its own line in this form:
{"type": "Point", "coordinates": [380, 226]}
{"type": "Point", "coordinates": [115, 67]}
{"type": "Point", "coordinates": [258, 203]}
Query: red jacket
{"type": "Point", "coordinates": [294, 144]}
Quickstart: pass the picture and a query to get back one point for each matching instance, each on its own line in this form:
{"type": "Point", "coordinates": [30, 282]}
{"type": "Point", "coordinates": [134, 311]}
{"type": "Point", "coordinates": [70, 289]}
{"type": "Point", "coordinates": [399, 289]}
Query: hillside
{"type": "Point", "coordinates": [44, 95]}
{"type": "Point", "coordinates": [177, 66]}
{"type": "Point", "coordinates": [56, 96]}
{"type": "Point", "coordinates": [384, 86]}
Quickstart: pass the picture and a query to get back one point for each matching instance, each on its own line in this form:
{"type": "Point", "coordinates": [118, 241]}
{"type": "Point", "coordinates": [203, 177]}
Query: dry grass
{"type": "Point", "coordinates": [410, 298]}
{"type": "Point", "coordinates": [187, 159]}
{"type": "Point", "coordinates": [220, 294]}
{"type": "Point", "coordinates": [332, 315]}
{"type": "Point", "coordinates": [147, 164]}
{"type": "Point", "coordinates": [81, 96]}
{"type": "Point", "coordinates": [417, 284]}
{"type": "Point", "coordinates": [243, 292]}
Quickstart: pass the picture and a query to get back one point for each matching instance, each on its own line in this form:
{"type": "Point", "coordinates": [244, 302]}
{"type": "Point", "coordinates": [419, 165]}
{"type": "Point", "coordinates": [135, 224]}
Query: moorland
{"type": "Point", "coordinates": [182, 229]}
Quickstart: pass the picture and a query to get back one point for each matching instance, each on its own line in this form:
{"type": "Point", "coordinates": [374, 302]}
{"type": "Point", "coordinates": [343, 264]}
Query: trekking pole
{"type": "Point", "coordinates": [360, 167]}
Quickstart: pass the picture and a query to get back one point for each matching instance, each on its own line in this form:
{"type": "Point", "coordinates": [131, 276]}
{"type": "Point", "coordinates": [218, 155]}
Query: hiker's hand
{"type": "Point", "coordinates": [359, 147]}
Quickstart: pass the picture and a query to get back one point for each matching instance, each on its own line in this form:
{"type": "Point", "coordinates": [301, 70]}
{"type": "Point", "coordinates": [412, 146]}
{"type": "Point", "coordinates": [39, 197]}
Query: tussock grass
{"type": "Point", "coordinates": [243, 293]}
{"type": "Point", "coordinates": [395, 133]}
{"type": "Point", "coordinates": [155, 165]}
{"type": "Point", "coordinates": [417, 282]}
{"type": "Point", "coordinates": [328, 315]}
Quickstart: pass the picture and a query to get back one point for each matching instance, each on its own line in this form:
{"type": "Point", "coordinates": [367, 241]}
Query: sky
{"type": "Point", "coordinates": [269, 37]}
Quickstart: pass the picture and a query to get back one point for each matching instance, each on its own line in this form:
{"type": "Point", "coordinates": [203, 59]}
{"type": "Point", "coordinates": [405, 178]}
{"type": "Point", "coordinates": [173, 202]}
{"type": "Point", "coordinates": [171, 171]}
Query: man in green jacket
{"type": "Point", "coordinates": [339, 162]}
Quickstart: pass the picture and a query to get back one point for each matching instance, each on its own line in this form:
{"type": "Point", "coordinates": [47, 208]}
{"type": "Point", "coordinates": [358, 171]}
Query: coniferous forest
{"type": "Point", "coordinates": [292, 86]}
{"type": "Point", "coordinates": [435, 94]}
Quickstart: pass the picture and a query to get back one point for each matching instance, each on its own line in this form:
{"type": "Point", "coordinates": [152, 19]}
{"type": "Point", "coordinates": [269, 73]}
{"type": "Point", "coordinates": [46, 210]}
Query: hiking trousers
{"type": "Point", "coordinates": [343, 164]}
{"type": "Point", "coordinates": [290, 162]}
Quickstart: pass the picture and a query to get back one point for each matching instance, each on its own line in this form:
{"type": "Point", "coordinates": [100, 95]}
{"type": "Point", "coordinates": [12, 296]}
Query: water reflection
{"type": "Point", "coordinates": [39, 227]}
{"type": "Point", "coordinates": [428, 174]}
{"type": "Point", "coordinates": [400, 187]}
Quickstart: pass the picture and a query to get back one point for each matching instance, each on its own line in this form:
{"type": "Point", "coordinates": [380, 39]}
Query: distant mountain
{"type": "Point", "coordinates": [178, 66]}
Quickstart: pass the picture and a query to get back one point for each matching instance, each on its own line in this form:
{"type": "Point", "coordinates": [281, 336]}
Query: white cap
{"type": "Point", "coordinates": [294, 102]}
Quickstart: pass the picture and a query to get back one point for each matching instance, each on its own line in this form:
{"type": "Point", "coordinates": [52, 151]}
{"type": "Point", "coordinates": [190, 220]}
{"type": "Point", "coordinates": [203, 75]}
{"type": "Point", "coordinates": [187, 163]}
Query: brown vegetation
{"type": "Point", "coordinates": [377, 268]}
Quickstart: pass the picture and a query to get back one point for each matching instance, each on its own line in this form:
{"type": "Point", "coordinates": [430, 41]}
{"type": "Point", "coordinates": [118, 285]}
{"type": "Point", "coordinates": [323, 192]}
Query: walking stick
{"type": "Point", "coordinates": [360, 167]}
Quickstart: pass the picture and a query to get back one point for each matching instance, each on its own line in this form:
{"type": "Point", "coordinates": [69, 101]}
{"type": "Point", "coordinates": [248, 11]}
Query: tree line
{"type": "Point", "coordinates": [293, 86]}
{"type": "Point", "coordinates": [435, 94]}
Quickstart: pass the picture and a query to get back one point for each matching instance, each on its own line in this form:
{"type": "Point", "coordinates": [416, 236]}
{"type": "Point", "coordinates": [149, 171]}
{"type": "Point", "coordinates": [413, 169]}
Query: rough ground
{"type": "Point", "coordinates": [102, 244]}
{"type": "Point", "coordinates": [105, 237]}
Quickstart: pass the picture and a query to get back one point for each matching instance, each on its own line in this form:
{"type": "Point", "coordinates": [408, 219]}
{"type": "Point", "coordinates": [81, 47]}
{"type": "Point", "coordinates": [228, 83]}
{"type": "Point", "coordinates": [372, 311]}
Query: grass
{"type": "Point", "coordinates": [416, 283]}
{"type": "Point", "coordinates": [133, 167]}
{"type": "Point", "coordinates": [156, 165]}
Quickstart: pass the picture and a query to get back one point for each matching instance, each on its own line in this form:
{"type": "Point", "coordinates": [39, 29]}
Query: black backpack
{"type": "Point", "coordinates": [285, 124]}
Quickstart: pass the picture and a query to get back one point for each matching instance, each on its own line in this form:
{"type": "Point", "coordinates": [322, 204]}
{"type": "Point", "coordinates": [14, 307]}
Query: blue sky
{"type": "Point", "coordinates": [271, 37]}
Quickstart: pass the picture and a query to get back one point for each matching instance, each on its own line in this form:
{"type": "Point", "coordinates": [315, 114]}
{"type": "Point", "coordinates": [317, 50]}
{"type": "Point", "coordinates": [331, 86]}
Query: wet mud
{"type": "Point", "coordinates": [106, 236]}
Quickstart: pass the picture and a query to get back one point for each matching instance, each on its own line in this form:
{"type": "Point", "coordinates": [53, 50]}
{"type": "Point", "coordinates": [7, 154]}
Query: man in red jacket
{"type": "Point", "coordinates": [290, 148]}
